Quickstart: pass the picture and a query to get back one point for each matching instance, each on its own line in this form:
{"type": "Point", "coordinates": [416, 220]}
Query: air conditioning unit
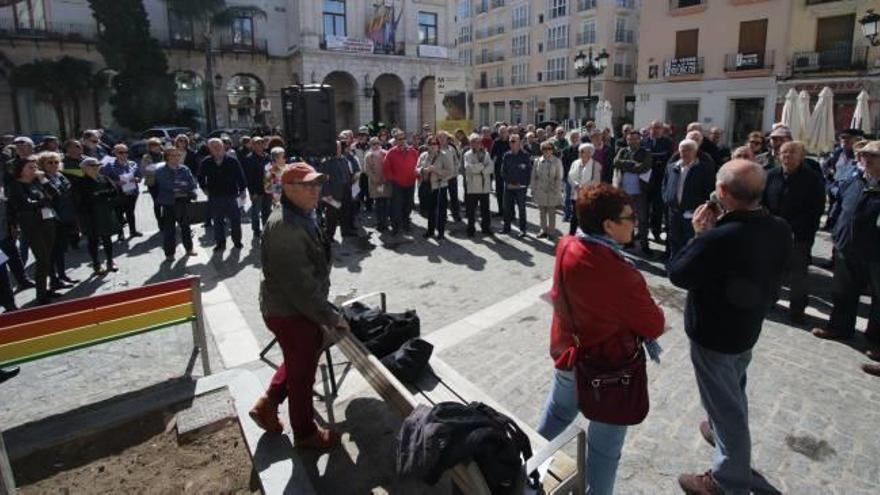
{"type": "Point", "coordinates": [804, 62]}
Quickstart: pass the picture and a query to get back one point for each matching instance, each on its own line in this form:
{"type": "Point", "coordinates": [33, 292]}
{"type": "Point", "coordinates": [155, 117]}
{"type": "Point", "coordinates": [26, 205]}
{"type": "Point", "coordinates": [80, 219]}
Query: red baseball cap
{"type": "Point", "coordinates": [301, 173]}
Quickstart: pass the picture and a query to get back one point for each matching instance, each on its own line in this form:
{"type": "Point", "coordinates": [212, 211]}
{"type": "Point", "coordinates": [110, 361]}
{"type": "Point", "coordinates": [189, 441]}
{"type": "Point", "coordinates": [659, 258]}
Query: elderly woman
{"type": "Point", "coordinates": [602, 311]}
{"type": "Point", "coordinates": [380, 190]}
{"type": "Point", "coordinates": [97, 206]}
{"type": "Point", "coordinates": [435, 167]}
{"type": "Point", "coordinates": [30, 208]}
{"type": "Point", "coordinates": [64, 204]}
{"type": "Point", "coordinates": [272, 175]}
{"type": "Point", "coordinates": [478, 170]}
{"type": "Point", "coordinates": [547, 188]}
{"type": "Point", "coordinates": [148, 165]}
{"type": "Point", "coordinates": [125, 175]}
{"type": "Point", "coordinates": [584, 172]}
{"type": "Point", "coordinates": [175, 189]}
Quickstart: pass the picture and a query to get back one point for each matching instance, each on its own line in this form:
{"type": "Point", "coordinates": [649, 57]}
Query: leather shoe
{"type": "Point", "coordinates": [699, 484]}
{"type": "Point", "coordinates": [873, 354]}
{"type": "Point", "coordinates": [6, 374]}
{"type": "Point", "coordinates": [322, 439]}
{"type": "Point", "coordinates": [26, 284]}
{"type": "Point", "coordinates": [827, 334]}
{"type": "Point", "coordinates": [871, 369]}
{"type": "Point", "coordinates": [265, 415]}
{"type": "Point", "coordinates": [706, 433]}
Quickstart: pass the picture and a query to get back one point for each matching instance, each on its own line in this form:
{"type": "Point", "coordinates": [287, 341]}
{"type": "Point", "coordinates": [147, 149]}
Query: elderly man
{"type": "Point", "coordinates": [856, 238]}
{"type": "Point", "coordinates": [499, 148]}
{"type": "Point", "coordinates": [707, 146]}
{"type": "Point", "coordinates": [296, 265]}
{"type": "Point", "coordinates": [796, 193]}
{"type": "Point", "coordinates": [399, 169]}
{"type": "Point", "coordinates": [687, 185]}
{"type": "Point", "coordinates": [661, 148]}
{"type": "Point", "coordinates": [732, 271]}
{"type": "Point", "coordinates": [254, 166]}
{"type": "Point", "coordinates": [630, 165]}
{"type": "Point", "coordinates": [780, 135]}
{"type": "Point", "coordinates": [840, 166]}
{"type": "Point", "coordinates": [704, 157]}
{"type": "Point", "coordinates": [222, 179]}
{"type": "Point", "coordinates": [714, 136]}
{"type": "Point", "coordinates": [516, 175]}
{"type": "Point", "coordinates": [568, 157]}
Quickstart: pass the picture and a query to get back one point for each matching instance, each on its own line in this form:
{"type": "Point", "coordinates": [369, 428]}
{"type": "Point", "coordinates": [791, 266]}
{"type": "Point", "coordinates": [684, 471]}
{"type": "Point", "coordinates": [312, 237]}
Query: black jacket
{"type": "Point", "coordinates": [568, 157]}
{"type": "Point", "coordinates": [732, 274]}
{"type": "Point", "coordinates": [798, 198]}
{"type": "Point", "coordinates": [856, 231]}
{"type": "Point", "coordinates": [499, 148]}
{"type": "Point", "coordinates": [254, 171]}
{"type": "Point", "coordinates": [225, 179]}
{"type": "Point", "coordinates": [698, 185]}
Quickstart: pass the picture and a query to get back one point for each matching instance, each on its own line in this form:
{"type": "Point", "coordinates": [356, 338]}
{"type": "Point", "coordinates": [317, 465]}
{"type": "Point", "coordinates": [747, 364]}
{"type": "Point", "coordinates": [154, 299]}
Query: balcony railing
{"type": "Point", "coordinates": [61, 31]}
{"type": "Point", "coordinates": [497, 3]}
{"type": "Point", "coordinates": [490, 57]}
{"type": "Point", "coordinates": [586, 38]}
{"type": "Point", "coordinates": [734, 62]}
{"type": "Point", "coordinates": [482, 8]}
{"type": "Point", "coordinates": [684, 7]}
{"type": "Point", "coordinates": [843, 58]}
{"type": "Point", "coordinates": [583, 5]}
{"type": "Point", "coordinates": [683, 67]}
{"type": "Point", "coordinates": [487, 32]}
{"type": "Point", "coordinates": [625, 4]}
{"type": "Point", "coordinates": [624, 36]}
{"type": "Point", "coordinates": [228, 42]}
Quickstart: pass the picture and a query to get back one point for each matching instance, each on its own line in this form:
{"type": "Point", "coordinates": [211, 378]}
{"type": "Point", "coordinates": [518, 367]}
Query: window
{"type": "Point", "coordinates": [622, 65]}
{"type": "Point", "coordinates": [484, 114]}
{"type": "Point", "coordinates": [520, 16]}
{"type": "Point", "coordinates": [464, 34]}
{"type": "Point", "coordinates": [465, 56]}
{"type": "Point", "coordinates": [30, 14]}
{"type": "Point", "coordinates": [686, 43]}
{"type": "Point", "coordinates": [626, 4]}
{"type": "Point", "coordinates": [498, 81]}
{"type": "Point", "coordinates": [587, 36]}
{"type": "Point", "coordinates": [464, 9]}
{"type": "Point", "coordinates": [499, 111]}
{"type": "Point", "coordinates": [180, 28]}
{"type": "Point", "coordinates": [557, 37]}
{"type": "Point", "coordinates": [556, 69]}
{"type": "Point", "coordinates": [427, 28]}
{"type": "Point", "coordinates": [520, 45]}
{"type": "Point", "coordinates": [334, 18]}
{"type": "Point", "coordinates": [622, 34]}
{"type": "Point", "coordinates": [558, 8]}
{"type": "Point", "coordinates": [484, 83]}
{"type": "Point", "coordinates": [243, 31]}
{"type": "Point", "coordinates": [519, 73]}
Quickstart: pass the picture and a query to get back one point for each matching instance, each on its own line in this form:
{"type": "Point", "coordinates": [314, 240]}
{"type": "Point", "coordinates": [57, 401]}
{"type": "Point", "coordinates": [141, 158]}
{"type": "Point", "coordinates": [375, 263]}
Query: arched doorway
{"type": "Point", "coordinates": [244, 93]}
{"type": "Point", "coordinates": [388, 100]}
{"type": "Point", "coordinates": [345, 96]}
{"type": "Point", "coordinates": [190, 96]}
{"type": "Point", "coordinates": [427, 106]}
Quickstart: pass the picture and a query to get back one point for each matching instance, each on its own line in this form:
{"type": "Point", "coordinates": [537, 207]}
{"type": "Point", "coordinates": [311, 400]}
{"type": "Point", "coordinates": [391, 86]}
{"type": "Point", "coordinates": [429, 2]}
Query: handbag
{"type": "Point", "coordinates": [614, 393]}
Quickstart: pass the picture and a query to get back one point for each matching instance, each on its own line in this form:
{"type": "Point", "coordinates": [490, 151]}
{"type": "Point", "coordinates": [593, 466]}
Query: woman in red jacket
{"type": "Point", "coordinates": [603, 306]}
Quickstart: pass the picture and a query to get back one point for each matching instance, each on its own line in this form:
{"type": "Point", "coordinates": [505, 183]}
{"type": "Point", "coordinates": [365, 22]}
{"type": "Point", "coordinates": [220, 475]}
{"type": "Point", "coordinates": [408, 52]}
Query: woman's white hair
{"type": "Point", "coordinates": [587, 146]}
{"type": "Point", "coordinates": [688, 143]}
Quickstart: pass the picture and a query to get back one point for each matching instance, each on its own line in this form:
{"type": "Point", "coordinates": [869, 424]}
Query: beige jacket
{"type": "Point", "coordinates": [443, 169]}
{"type": "Point", "coordinates": [547, 181]}
{"type": "Point", "coordinates": [584, 174]}
{"type": "Point", "coordinates": [478, 169]}
{"type": "Point", "coordinates": [379, 187]}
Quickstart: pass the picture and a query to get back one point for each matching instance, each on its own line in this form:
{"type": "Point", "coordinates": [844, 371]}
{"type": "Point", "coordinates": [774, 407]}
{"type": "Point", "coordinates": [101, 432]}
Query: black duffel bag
{"type": "Point", "coordinates": [382, 333]}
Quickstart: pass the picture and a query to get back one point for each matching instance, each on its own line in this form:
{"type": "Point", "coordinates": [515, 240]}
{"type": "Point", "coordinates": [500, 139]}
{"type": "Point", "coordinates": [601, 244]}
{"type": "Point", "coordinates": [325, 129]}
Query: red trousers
{"type": "Point", "coordinates": [300, 342]}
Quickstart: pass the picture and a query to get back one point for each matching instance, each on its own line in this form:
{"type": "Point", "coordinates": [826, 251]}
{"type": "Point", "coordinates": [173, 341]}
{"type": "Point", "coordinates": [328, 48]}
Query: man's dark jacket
{"type": "Point", "coordinates": [798, 198]}
{"type": "Point", "coordinates": [856, 232]}
{"type": "Point", "coordinates": [732, 274]}
{"type": "Point", "coordinates": [223, 179]}
{"type": "Point", "coordinates": [254, 170]}
{"type": "Point", "coordinates": [698, 185]}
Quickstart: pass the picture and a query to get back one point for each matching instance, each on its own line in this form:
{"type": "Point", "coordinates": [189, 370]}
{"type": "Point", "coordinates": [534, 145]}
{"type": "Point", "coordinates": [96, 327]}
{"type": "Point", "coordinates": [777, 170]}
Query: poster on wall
{"type": "Point", "coordinates": [382, 27]}
{"type": "Point", "coordinates": [451, 103]}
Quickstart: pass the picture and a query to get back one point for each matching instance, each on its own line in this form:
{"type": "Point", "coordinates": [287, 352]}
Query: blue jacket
{"type": "Point", "coordinates": [516, 168]}
{"type": "Point", "coordinates": [698, 185]}
{"type": "Point", "coordinates": [856, 231]}
{"type": "Point", "coordinates": [115, 169]}
{"type": "Point", "coordinates": [835, 175]}
{"type": "Point", "coordinates": [173, 184]}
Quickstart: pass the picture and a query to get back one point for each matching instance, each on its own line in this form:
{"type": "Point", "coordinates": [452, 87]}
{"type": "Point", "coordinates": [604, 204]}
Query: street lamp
{"type": "Point", "coordinates": [870, 26]}
{"type": "Point", "coordinates": [590, 67]}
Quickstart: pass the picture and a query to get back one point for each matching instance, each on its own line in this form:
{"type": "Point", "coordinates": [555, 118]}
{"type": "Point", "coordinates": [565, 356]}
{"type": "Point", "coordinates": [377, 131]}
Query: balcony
{"type": "Point", "coordinates": [238, 44]}
{"type": "Point", "coordinates": [497, 4]}
{"type": "Point", "coordinates": [491, 83]}
{"type": "Point", "coordinates": [839, 59]}
{"type": "Point", "coordinates": [586, 38]}
{"type": "Point", "coordinates": [482, 8]}
{"type": "Point", "coordinates": [623, 71]}
{"type": "Point", "coordinates": [625, 36]}
{"type": "Point", "coordinates": [625, 4]}
{"type": "Point", "coordinates": [683, 68]}
{"type": "Point", "coordinates": [54, 31]}
{"type": "Point", "coordinates": [687, 7]}
{"type": "Point", "coordinates": [749, 64]}
{"type": "Point", "coordinates": [489, 57]}
{"type": "Point", "coordinates": [488, 32]}
{"type": "Point", "coordinates": [584, 5]}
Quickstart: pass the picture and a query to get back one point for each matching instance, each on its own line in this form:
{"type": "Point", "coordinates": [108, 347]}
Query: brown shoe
{"type": "Point", "coordinates": [827, 334]}
{"type": "Point", "coordinates": [265, 415]}
{"type": "Point", "coordinates": [873, 354]}
{"type": "Point", "coordinates": [322, 439]}
{"type": "Point", "coordinates": [706, 432]}
{"type": "Point", "coordinates": [871, 369]}
{"type": "Point", "coordinates": [699, 484]}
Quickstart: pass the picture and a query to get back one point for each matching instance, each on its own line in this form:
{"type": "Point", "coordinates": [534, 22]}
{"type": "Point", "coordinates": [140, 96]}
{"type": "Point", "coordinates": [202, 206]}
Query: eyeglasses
{"type": "Point", "coordinates": [631, 218]}
{"type": "Point", "coordinates": [756, 143]}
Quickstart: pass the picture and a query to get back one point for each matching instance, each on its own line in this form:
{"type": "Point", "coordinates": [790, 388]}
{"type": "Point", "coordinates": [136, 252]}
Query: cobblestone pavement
{"type": "Point", "coordinates": [813, 412]}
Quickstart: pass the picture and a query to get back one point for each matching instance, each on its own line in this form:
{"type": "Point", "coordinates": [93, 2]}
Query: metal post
{"type": "Point", "coordinates": [590, 84]}
{"type": "Point", "coordinates": [200, 341]}
{"type": "Point", "coordinates": [7, 482]}
{"type": "Point", "coordinates": [581, 477]}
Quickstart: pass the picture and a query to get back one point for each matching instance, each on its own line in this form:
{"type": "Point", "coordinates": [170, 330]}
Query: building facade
{"type": "Point", "coordinates": [729, 63]}
{"type": "Point", "coordinates": [380, 57]}
{"type": "Point", "coordinates": [522, 52]}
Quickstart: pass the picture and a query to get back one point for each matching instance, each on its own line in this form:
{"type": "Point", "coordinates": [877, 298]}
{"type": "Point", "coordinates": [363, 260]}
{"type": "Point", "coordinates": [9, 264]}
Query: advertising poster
{"type": "Point", "coordinates": [382, 27]}
{"type": "Point", "coordinates": [451, 103]}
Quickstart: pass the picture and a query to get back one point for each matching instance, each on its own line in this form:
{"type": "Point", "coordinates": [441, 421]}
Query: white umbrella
{"type": "Point", "coordinates": [862, 116]}
{"type": "Point", "coordinates": [804, 113]}
{"type": "Point", "coordinates": [791, 115]}
{"type": "Point", "coordinates": [820, 132]}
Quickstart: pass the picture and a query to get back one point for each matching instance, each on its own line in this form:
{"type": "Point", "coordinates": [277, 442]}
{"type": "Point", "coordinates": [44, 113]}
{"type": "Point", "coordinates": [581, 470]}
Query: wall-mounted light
{"type": "Point", "coordinates": [871, 27]}
{"type": "Point", "coordinates": [413, 89]}
{"type": "Point", "coordinates": [368, 87]}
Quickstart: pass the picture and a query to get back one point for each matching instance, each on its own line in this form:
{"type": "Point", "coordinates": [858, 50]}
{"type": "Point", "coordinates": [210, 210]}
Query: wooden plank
{"type": "Point", "coordinates": [39, 328]}
{"type": "Point", "coordinates": [93, 333]}
{"type": "Point", "coordinates": [81, 304]}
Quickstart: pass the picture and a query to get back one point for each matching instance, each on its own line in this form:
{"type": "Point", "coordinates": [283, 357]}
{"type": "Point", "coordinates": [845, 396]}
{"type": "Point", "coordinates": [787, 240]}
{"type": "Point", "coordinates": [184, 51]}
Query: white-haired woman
{"type": "Point", "coordinates": [584, 172]}
{"type": "Point", "coordinates": [547, 187]}
{"type": "Point", "coordinates": [272, 176]}
{"type": "Point", "coordinates": [125, 175]}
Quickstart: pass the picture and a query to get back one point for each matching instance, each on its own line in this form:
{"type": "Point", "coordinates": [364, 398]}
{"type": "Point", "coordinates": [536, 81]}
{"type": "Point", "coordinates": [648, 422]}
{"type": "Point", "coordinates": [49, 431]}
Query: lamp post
{"type": "Point", "coordinates": [871, 27]}
{"type": "Point", "coordinates": [590, 67]}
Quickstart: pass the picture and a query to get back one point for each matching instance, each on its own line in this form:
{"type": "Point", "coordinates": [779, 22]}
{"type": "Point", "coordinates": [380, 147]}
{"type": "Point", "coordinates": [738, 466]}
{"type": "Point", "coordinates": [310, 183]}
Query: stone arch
{"type": "Point", "coordinates": [244, 92]}
{"type": "Point", "coordinates": [345, 99]}
{"type": "Point", "coordinates": [388, 100]}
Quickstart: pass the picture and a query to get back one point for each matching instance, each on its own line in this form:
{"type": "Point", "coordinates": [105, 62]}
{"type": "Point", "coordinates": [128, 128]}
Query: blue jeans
{"type": "Point", "coordinates": [566, 203]}
{"type": "Point", "coordinates": [401, 207]}
{"type": "Point", "coordinates": [516, 197]}
{"type": "Point", "coordinates": [604, 441]}
{"type": "Point", "coordinates": [721, 380]}
{"type": "Point", "coordinates": [222, 208]}
{"type": "Point", "coordinates": [261, 206]}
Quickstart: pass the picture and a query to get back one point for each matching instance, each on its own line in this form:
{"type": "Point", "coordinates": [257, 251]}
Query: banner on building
{"type": "Point", "coordinates": [346, 44]}
{"type": "Point", "coordinates": [382, 27]}
{"type": "Point", "coordinates": [451, 103]}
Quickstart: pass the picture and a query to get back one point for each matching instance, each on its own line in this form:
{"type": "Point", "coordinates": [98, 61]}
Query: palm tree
{"type": "Point", "coordinates": [210, 16]}
{"type": "Point", "coordinates": [61, 83]}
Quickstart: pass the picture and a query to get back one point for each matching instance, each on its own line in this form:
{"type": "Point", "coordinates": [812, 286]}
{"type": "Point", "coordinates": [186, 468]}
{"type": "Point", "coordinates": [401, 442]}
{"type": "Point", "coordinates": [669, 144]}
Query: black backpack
{"type": "Point", "coordinates": [382, 333]}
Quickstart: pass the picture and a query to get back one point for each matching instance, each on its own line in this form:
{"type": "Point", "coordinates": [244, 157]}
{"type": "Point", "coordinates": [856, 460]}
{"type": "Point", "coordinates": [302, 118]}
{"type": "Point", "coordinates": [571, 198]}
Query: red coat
{"type": "Point", "coordinates": [610, 304]}
{"type": "Point", "coordinates": [399, 166]}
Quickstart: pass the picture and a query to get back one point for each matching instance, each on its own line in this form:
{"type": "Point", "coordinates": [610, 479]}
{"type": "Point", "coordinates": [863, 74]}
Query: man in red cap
{"type": "Point", "coordinates": [293, 300]}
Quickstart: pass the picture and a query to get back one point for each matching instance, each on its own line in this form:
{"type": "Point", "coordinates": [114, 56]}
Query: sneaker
{"type": "Point", "coordinates": [699, 484]}
{"type": "Point", "coordinates": [322, 439]}
{"type": "Point", "coordinates": [26, 284]}
{"type": "Point", "coordinates": [98, 269]}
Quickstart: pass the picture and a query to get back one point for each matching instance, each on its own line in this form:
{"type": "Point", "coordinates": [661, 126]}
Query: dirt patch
{"type": "Point", "coordinates": [142, 456]}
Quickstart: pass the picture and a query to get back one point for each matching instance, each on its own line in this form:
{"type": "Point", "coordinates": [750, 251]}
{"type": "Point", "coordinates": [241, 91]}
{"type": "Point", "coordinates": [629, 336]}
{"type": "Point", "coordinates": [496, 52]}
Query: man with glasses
{"type": "Point", "coordinates": [516, 175]}
{"type": "Point", "coordinates": [91, 142]}
{"type": "Point", "coordinates": [222, 179]}
{"type": "Point", "coordinates": [399, 169]}
{"type": "Point", "coordinates": [756, 142]}
{"type": "Point", "coordinates": [296, 265]}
